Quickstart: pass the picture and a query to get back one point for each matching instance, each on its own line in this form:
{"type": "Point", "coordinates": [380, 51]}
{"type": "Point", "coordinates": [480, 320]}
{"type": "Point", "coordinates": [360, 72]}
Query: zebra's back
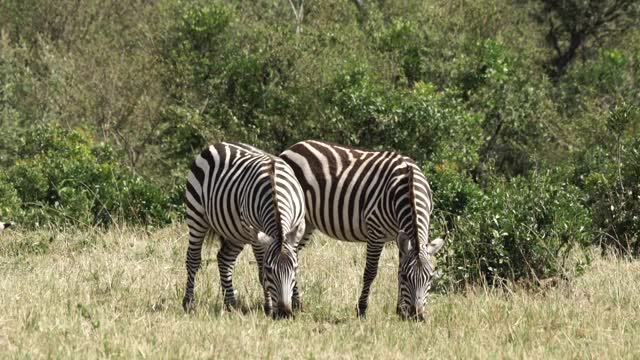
{"type": "Point", "coordinates": [218, 180]}
{"type": "Point", "coordinates": [229, 186]}
{"type": "Point", "coordinates": [346, 190]}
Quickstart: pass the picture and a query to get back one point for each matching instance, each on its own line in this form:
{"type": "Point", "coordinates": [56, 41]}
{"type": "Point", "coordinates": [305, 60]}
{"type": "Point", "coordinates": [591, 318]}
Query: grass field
{"type": "Point", "coordinates": [118, 294]}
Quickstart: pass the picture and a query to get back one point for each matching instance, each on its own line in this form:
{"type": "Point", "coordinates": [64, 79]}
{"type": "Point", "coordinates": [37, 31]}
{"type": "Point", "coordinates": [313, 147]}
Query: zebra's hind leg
{"type": "Point", "coordinates": [197, 233]}
{"type": "Point", "coordinates": [374, 248]}
{"type": "Point", "coordinates": [227, 256]}
{"type": "Point", "coordinates": [296, 302]}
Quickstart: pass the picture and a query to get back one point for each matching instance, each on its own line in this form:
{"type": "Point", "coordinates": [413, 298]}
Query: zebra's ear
{"type": "Point", "coordinates": [294, 235]}
{"type": "Point", "coordinates": [404, 242]}
{"type": "Point", "coordinates": [435, 246]}
{"type": "Point", "coordinates": [263, 238]}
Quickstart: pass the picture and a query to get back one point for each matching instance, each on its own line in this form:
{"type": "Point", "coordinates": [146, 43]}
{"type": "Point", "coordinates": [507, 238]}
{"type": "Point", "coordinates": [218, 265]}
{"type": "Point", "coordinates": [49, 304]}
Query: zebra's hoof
{"type": "Point", "coordinates": [188, 304]}
{"type": "Point", "coordinates": [231, 306]}
{"type": "Point", "coordinates": [296, 304]}
{"type": "Point", "coordinates": [362, 312]}
{"type": "Point", "coordinates": [268, 310]}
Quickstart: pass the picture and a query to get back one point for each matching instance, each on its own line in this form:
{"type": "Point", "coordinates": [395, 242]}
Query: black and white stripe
{"type": "Point", "coordinates": [246, 196]}
{"type": "Point", "coordinates": [4, 226]}
{"type": "Point", "coordinates": [373, 197]}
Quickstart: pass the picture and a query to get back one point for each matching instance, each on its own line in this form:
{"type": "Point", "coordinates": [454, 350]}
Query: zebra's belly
{"type": "Point", "coordinates": [339, 228]}
{"type": "Point", "coordinates": [342, 233]}
{"type": "Point", "coordinates": [349, 239]}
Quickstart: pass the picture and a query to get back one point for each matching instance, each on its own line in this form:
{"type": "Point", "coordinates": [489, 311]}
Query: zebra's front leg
{"type": "Point", "coordinates": [296, 302]}
{"type": "Point", "coordinates": [374, 248]}
{"type": "Point", "coordinates": [398, 307]}
{"type": "Point", "coordinates": [227, 256]}
{"type": "Point", "coordinates": [194, 258]}
{"type": "Point", "coordinates": [258, 252]}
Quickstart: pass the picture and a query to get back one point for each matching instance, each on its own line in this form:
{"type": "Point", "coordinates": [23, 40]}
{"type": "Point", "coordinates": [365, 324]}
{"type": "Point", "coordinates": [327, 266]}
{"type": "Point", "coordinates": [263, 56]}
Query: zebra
{"type": "Point", "coordinates": [5, 225]}
{"type": "Point", "coordinates": [245, 196]}
{"type": "Point", "coordinates": [372, 197]}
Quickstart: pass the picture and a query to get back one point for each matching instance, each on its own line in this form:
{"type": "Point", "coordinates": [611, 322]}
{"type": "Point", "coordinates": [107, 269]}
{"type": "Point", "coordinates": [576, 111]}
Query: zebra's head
{"type": "Point", "coordinates": [279, 269]}
{"type": "Point", "coordinates": [415, 275]}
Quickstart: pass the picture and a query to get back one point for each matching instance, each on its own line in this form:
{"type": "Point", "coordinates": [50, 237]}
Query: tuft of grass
{"type": "Point", "coordinates": [118, 294]}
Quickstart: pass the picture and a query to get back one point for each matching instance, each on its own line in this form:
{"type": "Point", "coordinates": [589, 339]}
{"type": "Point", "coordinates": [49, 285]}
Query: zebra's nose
{"type": "Point", "coordinates": [284, 310]}
{"type": "Point", "coordinates": [417, 313]}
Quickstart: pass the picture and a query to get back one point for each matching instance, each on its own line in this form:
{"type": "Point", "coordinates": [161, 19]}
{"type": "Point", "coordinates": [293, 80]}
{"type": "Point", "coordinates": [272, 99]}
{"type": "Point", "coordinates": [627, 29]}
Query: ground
{"type": "Point", "coordinates": [118, 294]}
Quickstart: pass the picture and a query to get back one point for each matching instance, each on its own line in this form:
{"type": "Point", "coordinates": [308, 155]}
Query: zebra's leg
{"type": "Point", "coordinates": [194, 258]}
{"type": "Point", "coordinates": [227, 256]}
{"type": "Point", "coordinates": [398, 308]}
{"type": "Point", "coordinates": [258, 252]}
{"type": "Point", "coordinates": [296, 302]}
{"type": "Point", "coordinates": [374, 248]}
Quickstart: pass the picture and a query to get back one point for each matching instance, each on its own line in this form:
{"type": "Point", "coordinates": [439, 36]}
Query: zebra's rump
{"type": "Point", "coordinates": [230, 189]}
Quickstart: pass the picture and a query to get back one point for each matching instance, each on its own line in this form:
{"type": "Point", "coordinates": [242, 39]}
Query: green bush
{"type": "Point", "coordinates": [10, 204]}
{"type": "Point", "coordinates": [610, 173]}
{"type": "Point", "coordinates": [406, 44]}
{"type": "Point", "coordinates": [516, 107]}
{"type": "Point", "coordinates": [419, 123]}
{"type": "Point", "coordinates": [518, 230]}
{"type": "Point", "coordinates": [65, 179]}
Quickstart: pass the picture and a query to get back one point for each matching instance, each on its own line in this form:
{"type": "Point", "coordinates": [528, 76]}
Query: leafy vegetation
{"type": "Point", "coordinates": [522, 113]}
{"type": "Point", "coordinates": [62, 178]}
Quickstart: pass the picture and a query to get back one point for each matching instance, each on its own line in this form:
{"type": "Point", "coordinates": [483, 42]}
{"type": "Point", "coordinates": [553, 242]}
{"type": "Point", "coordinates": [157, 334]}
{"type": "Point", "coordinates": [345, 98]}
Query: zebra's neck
{"type": "Point", "coordinates": [406, 197]}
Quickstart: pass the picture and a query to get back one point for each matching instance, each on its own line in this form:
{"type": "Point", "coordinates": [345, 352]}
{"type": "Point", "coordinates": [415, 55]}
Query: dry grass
{"type": "Point", "coordinates": [118, 294]}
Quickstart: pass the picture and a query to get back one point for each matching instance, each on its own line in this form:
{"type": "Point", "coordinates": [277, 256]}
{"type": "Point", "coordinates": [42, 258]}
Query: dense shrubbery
{"type": "Point", "coordinates": [609, 172]}
{"type": "Point", "coordinates": [528, 157]}
{"type": "Point", "coordinates": [62, 178]}
{"type": "Point", "coordinates": [520, 229]}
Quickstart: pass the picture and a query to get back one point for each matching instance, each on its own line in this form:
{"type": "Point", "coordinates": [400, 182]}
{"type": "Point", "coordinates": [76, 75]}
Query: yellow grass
{"type": "Point", "coordinates": [118, 294]}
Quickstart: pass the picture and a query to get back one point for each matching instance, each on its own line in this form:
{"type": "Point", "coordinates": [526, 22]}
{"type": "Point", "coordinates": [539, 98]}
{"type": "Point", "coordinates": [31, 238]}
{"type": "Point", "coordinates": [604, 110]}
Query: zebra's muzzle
{"type": "Point", "coordinates": [283, 311]}
{"type": "Point", "coordinates": [412, 313]}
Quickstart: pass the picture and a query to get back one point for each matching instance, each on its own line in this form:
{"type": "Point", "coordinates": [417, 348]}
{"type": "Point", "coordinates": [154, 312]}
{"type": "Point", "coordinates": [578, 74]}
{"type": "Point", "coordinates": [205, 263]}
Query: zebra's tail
{"type": "Point", "coordinates": [274, 198]}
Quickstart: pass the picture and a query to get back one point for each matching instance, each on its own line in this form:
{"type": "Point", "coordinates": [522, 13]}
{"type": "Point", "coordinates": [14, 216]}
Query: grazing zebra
{"type": "Point", "coordinates": [4, 226]}
{"type": "Point", "coordinates": [246, 196]}
{"type": "Point", "coordinates": [373, 197]}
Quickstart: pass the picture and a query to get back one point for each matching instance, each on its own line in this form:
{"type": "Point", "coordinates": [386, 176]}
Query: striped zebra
{"type": "Point", "coordinates": [246, 196]}
{"type": "Point", "coordinates": [373, 197]}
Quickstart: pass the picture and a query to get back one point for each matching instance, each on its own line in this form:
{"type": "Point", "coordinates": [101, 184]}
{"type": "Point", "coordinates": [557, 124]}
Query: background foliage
{"type": "Point", "coordinates": [524, 119]}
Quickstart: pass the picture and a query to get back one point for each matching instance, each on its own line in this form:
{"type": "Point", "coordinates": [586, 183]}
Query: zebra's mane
{"type": "Point", "coordinates": [412, 201]}
{"type": "Point", "coordinates": [274, 198]}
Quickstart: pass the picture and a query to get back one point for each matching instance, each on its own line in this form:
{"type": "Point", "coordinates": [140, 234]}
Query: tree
{"type": "Point", "coordinates": [575, 23]}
